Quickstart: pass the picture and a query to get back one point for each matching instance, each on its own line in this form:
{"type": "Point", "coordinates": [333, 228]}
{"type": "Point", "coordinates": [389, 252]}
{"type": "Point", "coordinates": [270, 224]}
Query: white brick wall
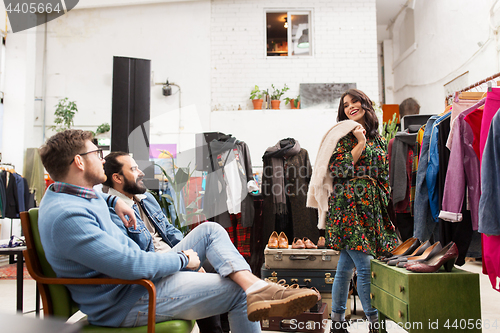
{"type": "Point", "coordinates": [345, 49]}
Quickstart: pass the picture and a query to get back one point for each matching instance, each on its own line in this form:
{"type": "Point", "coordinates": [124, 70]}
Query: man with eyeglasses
{"type": "Point", "coordinates": [81, 240]}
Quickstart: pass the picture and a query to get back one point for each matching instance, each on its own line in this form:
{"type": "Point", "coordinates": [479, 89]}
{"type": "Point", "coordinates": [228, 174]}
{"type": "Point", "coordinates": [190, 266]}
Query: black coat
{"type": "Point", "coordinates": [297, 177]}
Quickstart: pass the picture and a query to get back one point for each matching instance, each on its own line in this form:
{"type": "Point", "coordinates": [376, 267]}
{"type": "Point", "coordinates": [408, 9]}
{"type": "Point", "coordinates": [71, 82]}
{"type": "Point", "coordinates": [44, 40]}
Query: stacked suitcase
{"type": "Point", "coordinates": [307, 268]}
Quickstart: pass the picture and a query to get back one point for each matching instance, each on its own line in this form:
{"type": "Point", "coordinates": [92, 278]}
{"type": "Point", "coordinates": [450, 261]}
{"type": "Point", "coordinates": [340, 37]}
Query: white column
{"type": "Point", "coordinates": [19, 96]}
{"type": "Point", "coordinates": [388, 72]}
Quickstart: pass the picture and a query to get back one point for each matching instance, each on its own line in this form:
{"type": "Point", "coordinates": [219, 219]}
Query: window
{"type": "Point", "coordinates": [288, 33]}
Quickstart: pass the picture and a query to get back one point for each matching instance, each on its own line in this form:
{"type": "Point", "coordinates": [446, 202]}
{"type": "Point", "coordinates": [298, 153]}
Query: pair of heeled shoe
{"type": "Point", "coordinates": [423, 258]}
{"type": "Point", "coordinates": [304, 243]}
{"type": "Point", "coordinates": [446, 257]}
{"type": "Point", "coordinates": [277, 241]}
{"type": "Point", "coordinates": [422, 247]}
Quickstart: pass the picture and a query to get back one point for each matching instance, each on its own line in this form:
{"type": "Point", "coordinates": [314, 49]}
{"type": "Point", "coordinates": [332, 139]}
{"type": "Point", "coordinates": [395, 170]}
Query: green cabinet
{"type": "Point", "coordinates": [426, 302]}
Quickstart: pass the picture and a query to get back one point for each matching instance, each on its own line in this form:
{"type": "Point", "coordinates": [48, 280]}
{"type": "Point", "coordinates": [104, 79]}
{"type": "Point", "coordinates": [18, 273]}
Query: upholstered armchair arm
{"type": "Point", "coordinates": [35, 272]}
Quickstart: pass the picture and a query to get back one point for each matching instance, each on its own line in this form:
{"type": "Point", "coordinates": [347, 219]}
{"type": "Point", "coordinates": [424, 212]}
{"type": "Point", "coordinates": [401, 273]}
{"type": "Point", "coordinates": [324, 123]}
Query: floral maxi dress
{"type": "Point", "coordinates": [357, 217]}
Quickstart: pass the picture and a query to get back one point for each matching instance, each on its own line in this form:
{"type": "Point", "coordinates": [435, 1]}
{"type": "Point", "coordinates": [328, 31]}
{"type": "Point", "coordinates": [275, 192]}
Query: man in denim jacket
{"type": "Point", "coordinates": [153, 232]}
{"type": "Point", "coordinates": [190, 295]}
{"type": "Point", "coordinates": [162, 235]}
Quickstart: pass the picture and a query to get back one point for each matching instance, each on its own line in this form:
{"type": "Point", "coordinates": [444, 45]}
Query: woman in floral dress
{"type": "Point", "coordinates": [357, 222]}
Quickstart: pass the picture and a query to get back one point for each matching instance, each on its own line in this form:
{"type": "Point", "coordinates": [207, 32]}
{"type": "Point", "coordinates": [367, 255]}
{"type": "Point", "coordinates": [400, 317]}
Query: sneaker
{"type": "Point", "coordinates": [276, 300]}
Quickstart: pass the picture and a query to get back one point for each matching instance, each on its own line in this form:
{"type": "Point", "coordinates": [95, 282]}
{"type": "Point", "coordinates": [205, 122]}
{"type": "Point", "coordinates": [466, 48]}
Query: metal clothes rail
{"type": "Point", "coordinates": [473, 85]}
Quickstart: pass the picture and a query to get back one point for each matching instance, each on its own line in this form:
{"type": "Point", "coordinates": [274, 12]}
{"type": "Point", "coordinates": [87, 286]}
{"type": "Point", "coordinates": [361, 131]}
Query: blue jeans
{"type": "Point", "coordinates": [192, 295]}
{"type": "Point", "coordinates": [347, 261]}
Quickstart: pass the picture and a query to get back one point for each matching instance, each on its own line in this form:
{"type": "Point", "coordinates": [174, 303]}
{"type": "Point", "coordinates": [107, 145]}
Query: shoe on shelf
{"type": "Point", "coordinates": [282, 241]}
{"type": "Point", "coordinates": [308, 243]}
{"type": "Point", "coordinates": [408, 249]}
{"type": "Point", "coordinates": [298, 243]}
{"type": "Point", "coordinates": [272, 243]}
{"type": "Point", "coordinates": [321, 242]}
{"type": "Point", "coordinates": [446, 257]}
{"type": "Point", "coordinates": [276, 300]}
{"type": "Point", "coordinates": [418, 251]}
{"type": "Point", "coordinates": [400, 248]}
{"type": "Point", "coordinates": [428, 253]}
{"type": "Point", "coordinates": [339, 326]}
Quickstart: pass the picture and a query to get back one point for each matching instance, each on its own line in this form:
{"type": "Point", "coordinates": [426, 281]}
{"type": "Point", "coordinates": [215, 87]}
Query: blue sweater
{"type": "Point", "coordinates": [80, 240]}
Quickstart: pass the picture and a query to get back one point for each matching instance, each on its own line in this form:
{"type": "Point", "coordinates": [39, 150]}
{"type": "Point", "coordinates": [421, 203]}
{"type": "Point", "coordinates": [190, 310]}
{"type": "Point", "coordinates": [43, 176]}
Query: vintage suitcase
{"type": "Point", "coordinates": [305, 322]}
{"type": "Point", "coordinates": [320, 279]}
{"type": "Point", "coordinates": [301, 259]}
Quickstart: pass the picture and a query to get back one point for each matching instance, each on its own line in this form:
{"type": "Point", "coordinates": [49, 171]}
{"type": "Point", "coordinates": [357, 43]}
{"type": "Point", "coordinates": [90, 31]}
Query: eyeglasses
{"type": "Point", "coordinates": [97, 151]}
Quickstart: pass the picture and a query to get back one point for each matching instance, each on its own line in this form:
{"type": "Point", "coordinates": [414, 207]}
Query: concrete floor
{"type": "Point", "coordinates": [490, 302]}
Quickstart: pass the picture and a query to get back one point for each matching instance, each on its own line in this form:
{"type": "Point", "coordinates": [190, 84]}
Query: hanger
{"type": "Point", "coordinates": [5, 167]}
{"type": "Point", "coordinates": [224, 137]}
{"type": "Point", "coordinates": [285, 142]}
{"type": "Point", "coordinates": [475, 95]}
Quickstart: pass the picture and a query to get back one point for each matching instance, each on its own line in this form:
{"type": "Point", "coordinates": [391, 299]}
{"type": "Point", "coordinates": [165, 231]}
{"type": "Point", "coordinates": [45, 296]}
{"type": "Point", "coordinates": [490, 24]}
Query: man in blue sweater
{"type": "Point", "coordinates": [81, 240]}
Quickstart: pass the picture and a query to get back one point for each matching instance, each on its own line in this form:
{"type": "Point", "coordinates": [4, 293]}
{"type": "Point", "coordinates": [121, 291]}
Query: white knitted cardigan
{"type": "Point", "coordinates": [321, 185]}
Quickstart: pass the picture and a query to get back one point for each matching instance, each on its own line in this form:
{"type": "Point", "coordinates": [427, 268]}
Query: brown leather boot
{"type": "Point", "coordinates": [276, 300]}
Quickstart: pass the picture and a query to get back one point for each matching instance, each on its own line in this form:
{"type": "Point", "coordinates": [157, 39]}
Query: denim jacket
{"type": "Point", "coordinates": [141, 235]}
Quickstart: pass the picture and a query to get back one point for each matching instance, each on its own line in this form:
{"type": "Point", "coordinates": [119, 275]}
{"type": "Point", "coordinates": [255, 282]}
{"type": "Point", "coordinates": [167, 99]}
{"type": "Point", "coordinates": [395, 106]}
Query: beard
{"type": "Point", "coordinates": [134, 187]}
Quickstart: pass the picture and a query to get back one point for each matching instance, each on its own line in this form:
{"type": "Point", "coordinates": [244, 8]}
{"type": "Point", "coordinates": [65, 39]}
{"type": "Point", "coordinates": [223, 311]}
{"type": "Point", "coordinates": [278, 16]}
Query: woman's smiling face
{"type": "Point", "coordinates": [353, 109]}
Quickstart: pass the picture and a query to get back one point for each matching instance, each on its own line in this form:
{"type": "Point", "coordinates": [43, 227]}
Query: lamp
{"type": "Point", "coordinates": [286, 23]}
{"type": "Point", "coordinates": [167, 89]}
{"type": "Point", "coordinates": [304, 39]}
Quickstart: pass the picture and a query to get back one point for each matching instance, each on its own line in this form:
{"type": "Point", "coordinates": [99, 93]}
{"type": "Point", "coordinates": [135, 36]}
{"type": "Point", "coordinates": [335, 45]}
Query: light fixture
{"type": "Point", "coordinates": [286, 23]}
{"type": "Point", "coordinates": [304, 39]}
{"type": "Point", "coordinates": [167, 89]}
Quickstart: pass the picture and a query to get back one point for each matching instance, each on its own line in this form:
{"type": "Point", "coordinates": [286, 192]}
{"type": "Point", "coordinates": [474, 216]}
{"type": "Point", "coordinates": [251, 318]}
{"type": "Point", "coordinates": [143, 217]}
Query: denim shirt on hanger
{"type": "Point", "coordinates": [433, 168]}
{"type": "Point", "coordinates": [424, 227]}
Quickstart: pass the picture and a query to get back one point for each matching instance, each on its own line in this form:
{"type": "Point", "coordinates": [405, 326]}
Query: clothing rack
{"type": "Point", "coordinates": [4, 166]}
{"type": "Point", "coordinates": [12, 165]}
{"type": "Point", "coordinates": [472, 86]}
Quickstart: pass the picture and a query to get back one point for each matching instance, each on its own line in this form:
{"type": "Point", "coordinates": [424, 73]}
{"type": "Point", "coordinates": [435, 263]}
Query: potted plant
{"type": "Point", "coordinates": [256, 97]}
{"type": "Point", "coordinates": [294, 102]}
{"type": "Point", "coordinates": [390, 128]}
{"type": "Point", "coordinates": [179, 178]}
{"type": "Point", "coordinates": [276, 96]}
{"type": "Point", "coordinates": [64, 115]}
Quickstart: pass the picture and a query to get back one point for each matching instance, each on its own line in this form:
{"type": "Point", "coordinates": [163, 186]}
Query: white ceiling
{"type": "Point", "coordinates": [387, 10]}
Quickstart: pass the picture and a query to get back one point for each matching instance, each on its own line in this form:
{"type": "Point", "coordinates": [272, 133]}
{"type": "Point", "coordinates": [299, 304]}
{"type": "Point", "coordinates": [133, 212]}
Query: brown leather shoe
{"type": "Point", "coordinates": [298, 244]}
{"type": "Point", "coordinates": [276, 300]}
{"type": "Point", "coordinates": [273, 241]}
{"type": "Point", "coordinates": [308, 243]}
{"type": "Point", "coordinates": [321, 242]}
{"type": "Point", "coordinates": [282, 241]}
